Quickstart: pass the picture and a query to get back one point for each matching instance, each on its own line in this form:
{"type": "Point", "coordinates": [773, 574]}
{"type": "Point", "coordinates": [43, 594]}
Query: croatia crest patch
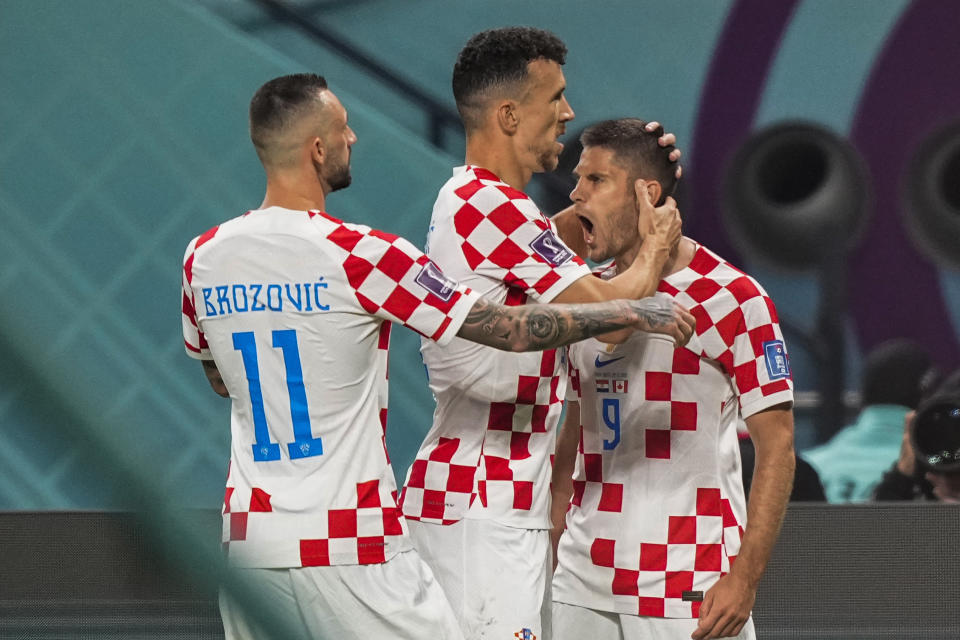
{"type": "Point", "coordinates": [775, 355]}
{"type": "Point", "coordinates": [434, 281]}
{"type": "Point", "coordinates": [549, 247]}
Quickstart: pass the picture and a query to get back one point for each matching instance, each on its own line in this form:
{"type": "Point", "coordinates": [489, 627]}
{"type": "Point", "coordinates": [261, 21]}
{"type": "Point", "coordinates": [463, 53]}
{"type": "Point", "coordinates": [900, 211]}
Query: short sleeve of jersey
{"type": "Point", "coordinates": [193, 339]}
{"type": "Point", "coordinates": [745, 330]}
{"type": "Point", "coordinates": [505, 237]}
{"type": "Point", "coordinates": [395, 281]}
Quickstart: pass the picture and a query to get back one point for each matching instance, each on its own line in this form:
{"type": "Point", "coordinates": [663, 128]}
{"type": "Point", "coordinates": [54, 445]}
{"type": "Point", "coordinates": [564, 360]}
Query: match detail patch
{"type": "Point", "coordinates": [549, 247]}
{"type": "Point", "coordinates": [775, 356]}
{"type": "Point", "coordinates": [434, 281]}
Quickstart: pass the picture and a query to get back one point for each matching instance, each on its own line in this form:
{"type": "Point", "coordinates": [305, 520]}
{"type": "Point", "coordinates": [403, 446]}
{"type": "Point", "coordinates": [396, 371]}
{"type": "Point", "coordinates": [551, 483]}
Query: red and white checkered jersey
{"type": "Point", "coordinates": [494, 428]}
{"type": "Point", "coordinates": [295, 308]}
{"type": "Point", "coordinates": [658, 509]}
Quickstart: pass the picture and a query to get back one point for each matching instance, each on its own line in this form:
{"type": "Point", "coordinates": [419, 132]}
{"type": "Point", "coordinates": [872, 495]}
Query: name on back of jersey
{"type": "Point", "coordinates": [248, 297]}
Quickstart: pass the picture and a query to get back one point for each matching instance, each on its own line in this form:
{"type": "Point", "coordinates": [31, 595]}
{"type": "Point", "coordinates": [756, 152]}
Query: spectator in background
{"type": "Point", "coordinates": [896, 374]}
{"type": "Point", "coordinates": [912, 476]}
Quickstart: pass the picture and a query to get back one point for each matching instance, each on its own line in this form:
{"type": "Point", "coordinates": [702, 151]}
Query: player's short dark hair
{"type": "Point", "coordinates": [496, 58]}
{"type": "Point", "coordinates": [277, 102]}
{"type": "Point", "coordinates": [636, 150]}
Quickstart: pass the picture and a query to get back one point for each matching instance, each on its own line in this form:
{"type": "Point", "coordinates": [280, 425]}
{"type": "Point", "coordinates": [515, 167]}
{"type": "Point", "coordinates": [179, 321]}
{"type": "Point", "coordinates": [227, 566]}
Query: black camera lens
{"type": "Point", "coordinates": [936, 435]}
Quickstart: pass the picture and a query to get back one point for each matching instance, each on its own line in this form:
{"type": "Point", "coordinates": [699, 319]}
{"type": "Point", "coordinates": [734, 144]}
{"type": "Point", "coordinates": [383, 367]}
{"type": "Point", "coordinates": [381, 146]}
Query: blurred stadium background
{"type": "Point", "coordinates": [123, 135]}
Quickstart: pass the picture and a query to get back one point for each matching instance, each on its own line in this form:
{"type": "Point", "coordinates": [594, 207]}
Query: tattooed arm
{"type": "Point", "coordinates": [535, 327]}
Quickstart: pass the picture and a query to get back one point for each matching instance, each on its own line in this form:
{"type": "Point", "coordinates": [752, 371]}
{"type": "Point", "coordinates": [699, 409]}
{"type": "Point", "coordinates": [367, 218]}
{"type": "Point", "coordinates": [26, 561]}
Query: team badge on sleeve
{"type": "Point", "coordinates": [548, 246]}
{"type": "Point", "coordinates": [434, 281]}
{"type": "Point", "coordinates": [775, 356]}
{"type": "Point", "coordinates": [525, 634]}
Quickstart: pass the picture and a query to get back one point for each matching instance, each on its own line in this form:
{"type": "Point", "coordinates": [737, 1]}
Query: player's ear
{"type": "Point", "coordinates": [507, 116]}
{"type": "Point", "coordinates": [317, 150]}
{"type": "Point", "coordinates": [653, 188]}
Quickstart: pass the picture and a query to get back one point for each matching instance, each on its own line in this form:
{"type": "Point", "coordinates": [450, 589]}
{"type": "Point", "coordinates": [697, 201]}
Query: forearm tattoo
{"type": "Point", "coordinates": [545, 326]}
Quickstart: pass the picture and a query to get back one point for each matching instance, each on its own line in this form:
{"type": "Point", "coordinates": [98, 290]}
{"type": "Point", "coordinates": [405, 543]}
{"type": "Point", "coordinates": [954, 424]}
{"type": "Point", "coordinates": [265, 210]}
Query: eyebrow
{"type": "Point", "coordinates": [559, 93]}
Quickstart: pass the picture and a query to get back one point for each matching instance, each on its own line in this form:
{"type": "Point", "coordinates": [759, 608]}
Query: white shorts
{"type": "Point", "coordinates": [497, 578]}
{"type": "Point", "coordinates": [396, 599]}
{"type": "Point", "coordinates": [575, 623]}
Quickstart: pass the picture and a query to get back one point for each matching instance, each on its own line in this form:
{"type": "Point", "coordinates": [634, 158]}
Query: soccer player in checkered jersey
{"type": "Point", "coordinates": [477, 495]}
{"type": "Point", "coordinates": [290, 311]}
{"type": "Point", "coordinates": [659, 542]}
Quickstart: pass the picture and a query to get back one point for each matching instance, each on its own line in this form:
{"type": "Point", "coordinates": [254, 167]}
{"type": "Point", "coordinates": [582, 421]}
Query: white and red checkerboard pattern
{"type": "Point", "coordinates": [500, 409]}
{"type": "Point", "coordinates": [338, 506]}
{"type": "Point", "coordinates": [662, 511]}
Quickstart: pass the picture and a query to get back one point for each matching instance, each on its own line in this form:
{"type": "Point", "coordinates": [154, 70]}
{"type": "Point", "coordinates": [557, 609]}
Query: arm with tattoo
{"type": "Point", "coordinates": [535, 327]}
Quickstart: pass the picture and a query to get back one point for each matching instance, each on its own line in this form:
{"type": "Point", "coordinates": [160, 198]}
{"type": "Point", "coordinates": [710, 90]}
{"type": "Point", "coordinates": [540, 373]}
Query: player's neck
{"type": "Point", "coordinates": [498, 156]}
{"type": "Point", "coordinates": [292, 192]}
{"type": "Point", "coordinates": [679, 258]}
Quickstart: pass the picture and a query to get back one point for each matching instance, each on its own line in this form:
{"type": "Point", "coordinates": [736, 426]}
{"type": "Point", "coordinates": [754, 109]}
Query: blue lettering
{"type": "Point", "coordinates": [222, 299]}
{"type": "Point", "coordinates": [211, 310]}
{"type": "Point", "coordinates": [256, 294]}
{"type": "Point", "coordinates": [243, 296]}
{"type": "Point", "coordinates": [298, 303]}
{"type": "Point", "coordinates": [306, 288]}
{"type": "Point", "coordinates": [316, 295]}
{"type": "Point", "coordinates": [270, 289]}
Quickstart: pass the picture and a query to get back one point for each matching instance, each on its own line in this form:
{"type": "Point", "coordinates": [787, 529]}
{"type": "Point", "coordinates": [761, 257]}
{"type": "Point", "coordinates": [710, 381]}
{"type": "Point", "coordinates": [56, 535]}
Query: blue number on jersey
{"type": "Point", "coordinates": [304, 444]}
{"type": "Point", "coordinates": [611, 417]}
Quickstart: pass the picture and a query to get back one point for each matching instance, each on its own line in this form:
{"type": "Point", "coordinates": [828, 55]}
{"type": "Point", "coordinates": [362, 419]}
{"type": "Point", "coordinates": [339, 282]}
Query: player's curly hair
{"type": "Point", "coordinates": [497, 58]}
{"type": "Point", "coordinates": [636, 150]}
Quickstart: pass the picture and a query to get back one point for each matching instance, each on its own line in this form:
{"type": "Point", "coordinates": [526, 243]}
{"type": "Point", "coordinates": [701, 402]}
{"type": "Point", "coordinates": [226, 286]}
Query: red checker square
{"type": "Point", "coordinates": [519, 445]}
{"type": "Point", "coordinates": [445, 449]}
{"type": "Point", "coordinates": [704, 321]}
{"type": "Point", "coordinates": [593, 467]}
{"type": "Point", "coordinates": [260, 501]}
{"type": "Point", "coordinates": [703, 263]}
{"type": "Point", "coordinates": [771, 309]}
{"type": "Point", "coordinates": [683, 416]}
{"type": "Point", "coordinates": [392, 525]}
{"type": "Point", "coordinates": [368, 494]}
{"type": "Point", "coordinates": [418, 472]}
{"type": "Point", "coordinates": [685, 362]}
{"type": "Point", "coordinates": [677, 582]}
{"type": "Point", "coordinates": [507, 254]}
{"type": "Point", "coordinates": [743, 289]}
{"type": "Point", "coordinates": [695, 609]}
{"type": "Point", "coordinates": [702, 290]}
{"type": "Point", "coordinates": [383, 235]}
{"type": "Point", "coordinates": [481, 492]}
{"type": "Point", "coordinates": [651, 607]}
{"type": "Point", "coordinates": [514, 281]}
{"type": "Point", "coordinates": [345, 238]}
{"type": "Point", "coordinates": [522, 495]}
{"type": "Point", "coordinates": [775, 387]}
{"type": "Point", "coordinates": [725, 360]}
{"type": "Point", "coordinates": [497, 468]}
{"type": "Point", "coordinates": [653, 557]}
{"type": "Point", "coordinates": [746, 376]}
{"type": "Point", "coordinates": [466, 191]}
{"type": "Point", "coordinates": [466, 219]}
{"type": "Point", "coordinates": [515, 297]}
{"type": "Point", "coordinates": [657, 443]}
{"type": "Point", "coordinates": [554, 385]}
{"type": "Point", "coordinates": [708, 502]}
{"type": "Point", "coordinates": [510, 192]}
{"type": "Point", "coordinates": [548, 363]}
{"type": "Point", "coordinates": [729, 519]}
{"type": "Point", "coordinates": [226, 499]}
{"type": "Point", "coordinates": [383, 343]}
{"type": "Point", "coordinates": [759, 335]}
{"type": "Point", "coordinates": [238, 526]}
{"type": "Point", "coordinates": [579, 486]}
{"type": "Point", "coordinates": [538, 420]}
{"type": "Point", "coordinates": [601, 552]}
{"type": "Point", "coordinates": [658, 385]}
{"type": "Point", "coordinates": [665, 287]}
{"type": "Point", "coordinates": [507, 218]}
{"type": "Point", "coordinates": [549, 279]}
{"type": "Point", "coordinates": [682, 530]}
{"type": "Point", "coordinates": [730, 326]}
{"type": "Point", "coordinates": [471, 255]}
{"type": "Point", "coordinates": [368, 305]}
{"type": "Point", "coordinates": [401, 303]}
{"type": "Point", "coordinates": [370, 550]}
{"type": "Point", "coordinates": [460, 478]}
{"type": "Point", "coordinates": [342, 523]}
{"type": "Point", "coordinates": [709, 557]}
{"type": "Point", "coordinates": [625, 582]}
{"type": "Point", "coordinates": [501, 416]}
{"type": "Point", "coordinates": [315, 553]}
{"type": "Point", "coordinates": [611, 497]}
{"type": "Point", "coordinates": [395, 263]}
{"type": "Point", "coordinates": [433, 504]}
{"type": "Point", "coordinates": [357, 270]}
{"type": "Point", "coordinates": [527, 389]}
